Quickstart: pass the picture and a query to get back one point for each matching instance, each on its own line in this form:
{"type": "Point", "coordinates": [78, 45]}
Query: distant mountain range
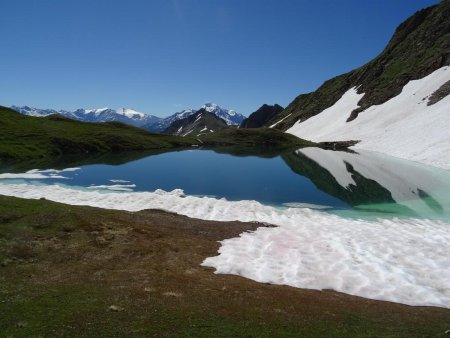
{"type": "Point", "coordinates": [132, 117]}
{"type": "Point", "coordinates": [161, 125]}
{"type": "Point", "coordinates": [124, 115]}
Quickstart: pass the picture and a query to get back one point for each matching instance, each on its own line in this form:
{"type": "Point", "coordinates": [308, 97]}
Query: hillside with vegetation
{"type": "Point", "coordinates": [419, 46]}
{"type": "Point", "coordinates": [25, 137]}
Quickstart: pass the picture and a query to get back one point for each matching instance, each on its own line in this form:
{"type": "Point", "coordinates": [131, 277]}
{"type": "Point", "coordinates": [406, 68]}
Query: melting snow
{"type": "Point", "coordinates": [403, 127]}
{"type": "Point", "coordinates": [36, 174]}
{"type": "Point", "coordinates": [114, 187]}
{"type": "Point", "coordinates": [399, 260]}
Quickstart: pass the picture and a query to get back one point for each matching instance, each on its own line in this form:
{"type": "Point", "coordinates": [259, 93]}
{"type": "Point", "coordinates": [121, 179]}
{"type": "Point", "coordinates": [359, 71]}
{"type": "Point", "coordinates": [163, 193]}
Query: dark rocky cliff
{"type": "Point", "coordinates": [259, 118]}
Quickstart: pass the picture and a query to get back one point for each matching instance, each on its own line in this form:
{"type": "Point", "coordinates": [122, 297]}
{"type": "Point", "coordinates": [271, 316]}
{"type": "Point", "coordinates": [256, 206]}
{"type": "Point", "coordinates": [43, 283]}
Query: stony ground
{"type": "Point", "coordinates": [80, 271]}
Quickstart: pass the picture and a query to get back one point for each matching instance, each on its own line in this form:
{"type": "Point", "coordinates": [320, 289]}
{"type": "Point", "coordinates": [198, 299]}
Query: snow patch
{"type": "Point", "coordinates": [36, 174]}
{"type": "Point", "coordinates": [114, 187]}
{"type": "Point", "coordinates": [403, 127]}
{"type": "Point", "coordinates": [399, 260]}
{"type": "Point", "coordinates": [306, 205]}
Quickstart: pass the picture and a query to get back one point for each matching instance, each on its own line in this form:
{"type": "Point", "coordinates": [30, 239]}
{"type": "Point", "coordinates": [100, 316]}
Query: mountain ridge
{"type": "Point", "coordinates": [419, 46]}
{"type": "Point", "coordinates": [201, 122]}
{"type": "Point", "coordinates": [262, 115]}
{"type": "Point", "coordinates": [124, 115]}
{"type": "Point", "coordinates": [132, 117]}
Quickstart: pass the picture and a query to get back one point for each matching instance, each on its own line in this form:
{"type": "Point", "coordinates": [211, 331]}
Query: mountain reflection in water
{"type": "Point", "coordinates": [373, 182]}
{"type": "Point", "coordinates": [351, 184]}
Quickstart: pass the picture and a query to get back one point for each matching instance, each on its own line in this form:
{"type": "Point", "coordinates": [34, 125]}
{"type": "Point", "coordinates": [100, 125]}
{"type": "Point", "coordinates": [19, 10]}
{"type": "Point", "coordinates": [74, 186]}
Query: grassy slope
{"type": "Point", "coordinates": [264, 138]}
{"type": "Point", "coordinates": [25, 137]}
{"type": "Point", "coordinates": [419, 46]}
{"type": "Point", "coordinates": [35, 140]}
{"type": "Point", "coordinates": [62, 267]}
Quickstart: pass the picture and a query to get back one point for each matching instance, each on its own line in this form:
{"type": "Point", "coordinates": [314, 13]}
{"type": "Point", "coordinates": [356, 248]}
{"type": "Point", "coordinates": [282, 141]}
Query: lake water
{"type": "Point", "coordinates": [363, 184]}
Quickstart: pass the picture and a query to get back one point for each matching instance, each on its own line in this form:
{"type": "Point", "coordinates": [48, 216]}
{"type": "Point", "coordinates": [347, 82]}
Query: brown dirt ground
{"type": "Point", "coordinates": [114, 273]}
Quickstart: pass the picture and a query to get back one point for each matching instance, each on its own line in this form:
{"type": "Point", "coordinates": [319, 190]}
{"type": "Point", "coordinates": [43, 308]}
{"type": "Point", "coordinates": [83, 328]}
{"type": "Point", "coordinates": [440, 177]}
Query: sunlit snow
{"type": "Point", "coordinates": [399, 260]}
{"type": "Point", "coordinates": [405, 126]}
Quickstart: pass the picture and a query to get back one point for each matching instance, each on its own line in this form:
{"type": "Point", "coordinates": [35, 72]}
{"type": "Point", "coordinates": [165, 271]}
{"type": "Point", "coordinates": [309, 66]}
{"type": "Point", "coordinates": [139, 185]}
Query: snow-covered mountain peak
{"type": "Point", "coordinates": [130, 113]}
{"type": "Point", "coordinates": [211, 107]}
{"type": "Point", "coordinates": [184, 113]}
{"type": "Point", "coordinates": [134, 117]}
{"type": "Point", "coordinates": [31, 111]}
{"type": "Point", "coordinates": [231, 117]}
{"type": "Point", "coordinates": [124, 115]}
{"type": "Point", "coordinates": [95, 111]}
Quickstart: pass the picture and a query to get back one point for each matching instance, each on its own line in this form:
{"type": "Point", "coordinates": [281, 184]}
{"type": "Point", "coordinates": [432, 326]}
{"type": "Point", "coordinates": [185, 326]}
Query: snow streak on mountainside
{"type": "Point", "coordinates": [201, 122]}
{"type": "Point", "coordinates": [261, 116]}
{"type": "Point", "coordinates": [229, 116]}
{"type": "Point", "coordinates": [406, 126]}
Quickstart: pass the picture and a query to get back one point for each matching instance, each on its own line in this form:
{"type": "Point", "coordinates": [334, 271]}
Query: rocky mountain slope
{"type": "Point", "coordinates": [419, 46]}
{"type": "Point", "coordinates": [387, 102]}
{"type": "Point", "coordinates": [258, 118]}
{"type": "Point", "coordinates": [164, 123]}
{"type": "Point", "coordinates": [201, 122]}
{"type": "Point", "coordinates": [230, 117]}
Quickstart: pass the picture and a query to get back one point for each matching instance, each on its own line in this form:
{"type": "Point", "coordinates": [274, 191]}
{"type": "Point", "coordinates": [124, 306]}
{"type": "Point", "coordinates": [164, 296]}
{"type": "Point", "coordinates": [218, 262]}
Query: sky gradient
{"type": "Point", "coordinates": [162, 56]}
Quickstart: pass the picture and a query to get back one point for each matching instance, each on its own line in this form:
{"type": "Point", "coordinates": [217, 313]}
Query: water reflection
{"type": "Point", "coordinates": [348, 183]}
{"type": "Point", "coordinates": [373, 182]}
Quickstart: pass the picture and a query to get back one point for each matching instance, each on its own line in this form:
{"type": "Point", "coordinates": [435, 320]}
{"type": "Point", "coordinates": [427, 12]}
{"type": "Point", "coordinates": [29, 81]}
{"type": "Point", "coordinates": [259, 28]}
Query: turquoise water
{"type": "Point", "coordinates": [350, 184]}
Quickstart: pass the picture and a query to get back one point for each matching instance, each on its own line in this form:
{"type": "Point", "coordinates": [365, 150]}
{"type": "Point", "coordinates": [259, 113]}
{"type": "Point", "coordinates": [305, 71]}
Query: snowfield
{"type": "Point", "coordinates": [405, 126]}
{"type": "Point", "coordinates": [398, 260]}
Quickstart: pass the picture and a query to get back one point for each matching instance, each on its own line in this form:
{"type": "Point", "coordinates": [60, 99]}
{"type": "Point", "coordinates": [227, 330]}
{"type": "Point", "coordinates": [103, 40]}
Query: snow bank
{"type": "Point", "coordinates": [403, 127]}
{"type": "Point", "coordinates": [36, 174]}
{"type": "Point", "coordinates": [114, 187]}
{"type": "Point", "coordinates": [405, 261]}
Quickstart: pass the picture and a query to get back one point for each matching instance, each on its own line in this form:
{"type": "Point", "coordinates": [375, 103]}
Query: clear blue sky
{"type": "Point", "coordinates": [160, 56]}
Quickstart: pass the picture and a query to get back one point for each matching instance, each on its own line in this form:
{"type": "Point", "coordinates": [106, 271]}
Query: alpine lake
{"type": "Point", "coordinates": [354, 184]}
